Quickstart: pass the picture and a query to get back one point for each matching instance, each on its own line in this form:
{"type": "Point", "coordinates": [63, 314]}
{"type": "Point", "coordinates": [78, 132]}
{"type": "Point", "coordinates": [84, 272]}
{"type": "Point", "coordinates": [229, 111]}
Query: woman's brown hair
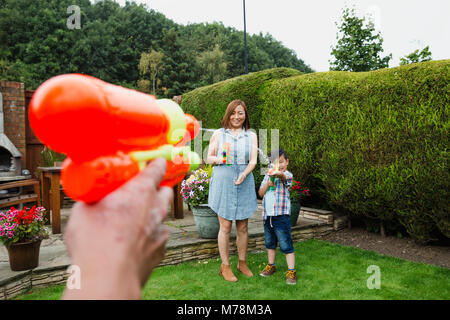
{"type": "Point", "coordinates": [231, 106]}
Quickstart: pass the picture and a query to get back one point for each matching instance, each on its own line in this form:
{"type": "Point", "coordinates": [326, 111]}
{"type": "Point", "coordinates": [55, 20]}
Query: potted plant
{"type": "Point", "coordinates": [22, 231]}
{"type": "Point", "coordinates": [194, 191]}
{"type": "Point", "coordinates": [296, 192]}
{"type": "Point", "coordinates": [51, 158]}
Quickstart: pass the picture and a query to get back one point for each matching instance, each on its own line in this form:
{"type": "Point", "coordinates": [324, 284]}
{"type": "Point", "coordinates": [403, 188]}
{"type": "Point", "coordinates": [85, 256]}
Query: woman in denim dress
{"type": "Point", "coordinates": [232, 187]}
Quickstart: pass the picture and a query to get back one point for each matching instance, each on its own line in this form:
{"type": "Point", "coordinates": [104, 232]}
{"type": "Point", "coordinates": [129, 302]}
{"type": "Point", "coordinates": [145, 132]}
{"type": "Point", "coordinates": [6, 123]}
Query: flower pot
{"type": "Point", "coordinates": [57, 164]}
{"type": "Point", "coordinates": [24, 255]}
{"type": "Point", "coordinates": [206, 221]}
{"type": "Point", "coordinates": [295, 211]}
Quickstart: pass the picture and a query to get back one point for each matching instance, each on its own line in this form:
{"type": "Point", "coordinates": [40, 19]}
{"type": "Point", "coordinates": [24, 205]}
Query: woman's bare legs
{"type": "Point", "coordinates": [223, 240]}
{"type": "Point", "coordinates": [242, 238]}
{"type": "Point", "coordinates": [242, 244]}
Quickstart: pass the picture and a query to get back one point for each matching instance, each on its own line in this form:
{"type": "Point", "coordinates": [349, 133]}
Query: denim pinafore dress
{"type": "Point", "coordinates": [230, 201]}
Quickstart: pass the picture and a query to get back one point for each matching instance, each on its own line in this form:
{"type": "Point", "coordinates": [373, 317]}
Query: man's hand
{"type": "Point", "coordinates": [119, 240]}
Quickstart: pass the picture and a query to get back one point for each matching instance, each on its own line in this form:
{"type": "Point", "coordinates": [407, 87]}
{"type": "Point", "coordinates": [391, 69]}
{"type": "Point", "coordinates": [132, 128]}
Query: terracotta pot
{"type": "Point", "coordinates": [24, 255]}
{"type": "Point", "coordinates": [58, 164]}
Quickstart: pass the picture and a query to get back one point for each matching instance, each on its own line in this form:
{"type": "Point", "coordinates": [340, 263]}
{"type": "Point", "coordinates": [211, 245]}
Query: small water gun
{"type": "Point", "coordinates": [271, 170]}
{"type": "Point", "coordinates": [109, 133]}
{"type": "Point", "coordinates": [226, 153]}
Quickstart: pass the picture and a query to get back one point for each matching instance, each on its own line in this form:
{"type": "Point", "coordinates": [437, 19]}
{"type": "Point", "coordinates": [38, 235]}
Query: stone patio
{"type": "Point", "coordinates": [184, 244]}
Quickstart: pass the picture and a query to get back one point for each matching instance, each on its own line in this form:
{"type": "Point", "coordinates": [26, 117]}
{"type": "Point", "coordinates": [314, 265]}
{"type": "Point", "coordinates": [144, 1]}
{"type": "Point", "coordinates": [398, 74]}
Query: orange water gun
{"type": "Point", "coordinates": [109, 133]}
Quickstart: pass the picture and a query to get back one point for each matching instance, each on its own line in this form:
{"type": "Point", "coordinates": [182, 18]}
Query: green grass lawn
{"type": "Point", "coordinates": [324, 270]}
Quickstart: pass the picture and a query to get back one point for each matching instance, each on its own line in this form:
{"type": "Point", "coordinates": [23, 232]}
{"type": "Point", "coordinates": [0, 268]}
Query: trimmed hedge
{"type": "Point", "coordinates": [370, 144]}
{"type": "Point", "coordinates": [210, 102]}
{"type": "Point", "coordinates": [373, 144]}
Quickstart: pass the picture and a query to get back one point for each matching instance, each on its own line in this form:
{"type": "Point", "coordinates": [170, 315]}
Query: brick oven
{"type": "Point", "coordinates": [10, 156]}
{"type": "Point", "coordinates": [12, 132]}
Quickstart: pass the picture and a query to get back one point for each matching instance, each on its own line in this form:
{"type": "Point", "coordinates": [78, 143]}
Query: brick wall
{"type": "Point", "coordinates": [14, 115]}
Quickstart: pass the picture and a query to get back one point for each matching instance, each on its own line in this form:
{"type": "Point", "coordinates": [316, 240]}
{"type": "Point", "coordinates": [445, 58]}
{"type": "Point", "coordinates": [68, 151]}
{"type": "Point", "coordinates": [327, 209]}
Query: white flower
{"type": "Point", "coordinates": [191, 178]}
{"type": "Point", "coordinates": [201, 188]}
{"type": "Point", "coordinates": [191, 194]}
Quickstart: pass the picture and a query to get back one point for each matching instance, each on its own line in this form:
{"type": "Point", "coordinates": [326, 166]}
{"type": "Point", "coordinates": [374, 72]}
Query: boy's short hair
{"type": "Point", "coordinates": [275, 154]}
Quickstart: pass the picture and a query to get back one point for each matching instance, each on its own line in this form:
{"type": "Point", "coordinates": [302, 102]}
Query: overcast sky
{"type": "Point", "coordinates": [308, 27]}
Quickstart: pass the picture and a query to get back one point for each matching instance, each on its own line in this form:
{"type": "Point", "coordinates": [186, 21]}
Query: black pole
{"type": "Point", "coordinates": [245, 42]}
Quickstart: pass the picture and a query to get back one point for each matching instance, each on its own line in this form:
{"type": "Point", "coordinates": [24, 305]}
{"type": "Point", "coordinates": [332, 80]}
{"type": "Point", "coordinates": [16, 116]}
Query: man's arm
{"type": "Point", "coordinates": [118, 241]}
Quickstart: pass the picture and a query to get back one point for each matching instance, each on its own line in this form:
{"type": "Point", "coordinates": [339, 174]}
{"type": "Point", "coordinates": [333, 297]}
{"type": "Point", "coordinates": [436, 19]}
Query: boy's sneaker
{"type": "Point", "coordinates": [268, 271]}
{"type": "Point", "coordinates": [291, 277]}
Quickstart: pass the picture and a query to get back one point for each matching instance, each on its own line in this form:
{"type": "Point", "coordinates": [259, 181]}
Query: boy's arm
{"type": "Point", "coordinates": [264, 186]}
{"type": "Point", "coordinates": [289, 177]}
{"type": "Point", "coordinates": [263, 189]}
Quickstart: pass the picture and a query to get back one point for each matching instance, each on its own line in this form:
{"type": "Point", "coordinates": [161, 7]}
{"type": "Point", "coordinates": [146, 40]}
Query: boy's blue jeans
{"type": "Point", "coordinates": [277, 229]}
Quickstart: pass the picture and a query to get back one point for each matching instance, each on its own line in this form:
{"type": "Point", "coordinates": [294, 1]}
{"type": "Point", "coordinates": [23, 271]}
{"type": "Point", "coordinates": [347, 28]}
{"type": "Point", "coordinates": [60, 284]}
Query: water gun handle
{"type": "Point", "coordinates": [226, 153]}
{"type": "Point", "coordinates": [271, 170]}
{"type": "Point", "coordinates": [273, 181]}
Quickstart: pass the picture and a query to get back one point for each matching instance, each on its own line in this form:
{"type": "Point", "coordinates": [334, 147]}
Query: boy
{"type": "Point", "coordinates": [277, 224]}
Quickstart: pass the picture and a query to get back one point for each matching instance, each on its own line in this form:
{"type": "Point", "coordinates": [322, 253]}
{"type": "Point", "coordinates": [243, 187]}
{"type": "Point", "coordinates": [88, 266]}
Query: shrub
{"type": "Point", "coordinates": [22, 225]}
{"type": "Point", "coordinates": [373, 144]}
{"type": "Point", "coordinates": [195, 189]}
{"type": "Point", "coordinates": [209, 103]}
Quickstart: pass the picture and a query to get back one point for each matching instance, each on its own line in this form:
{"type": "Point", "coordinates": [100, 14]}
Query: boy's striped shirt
{"type": "Point", "coordinates": [282, 203]}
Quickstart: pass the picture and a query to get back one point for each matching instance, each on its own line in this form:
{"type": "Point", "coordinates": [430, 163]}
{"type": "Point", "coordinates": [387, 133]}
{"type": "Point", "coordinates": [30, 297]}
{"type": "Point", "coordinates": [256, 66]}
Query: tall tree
{"type": "Point", "coordinates": [178, 73]}
{"type": "Point", "coordinates": [213, 65]}
{"type": "Point", "coordinates": [358, 48]}
{"type": "Point", "coordinates": [151, 63]}
{"type": "Point", "coordinates": [416, 56]}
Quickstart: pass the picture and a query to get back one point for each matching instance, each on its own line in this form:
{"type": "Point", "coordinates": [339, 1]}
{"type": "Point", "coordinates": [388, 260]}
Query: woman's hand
{"type": "Point", "coordinates": [240, 179]}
